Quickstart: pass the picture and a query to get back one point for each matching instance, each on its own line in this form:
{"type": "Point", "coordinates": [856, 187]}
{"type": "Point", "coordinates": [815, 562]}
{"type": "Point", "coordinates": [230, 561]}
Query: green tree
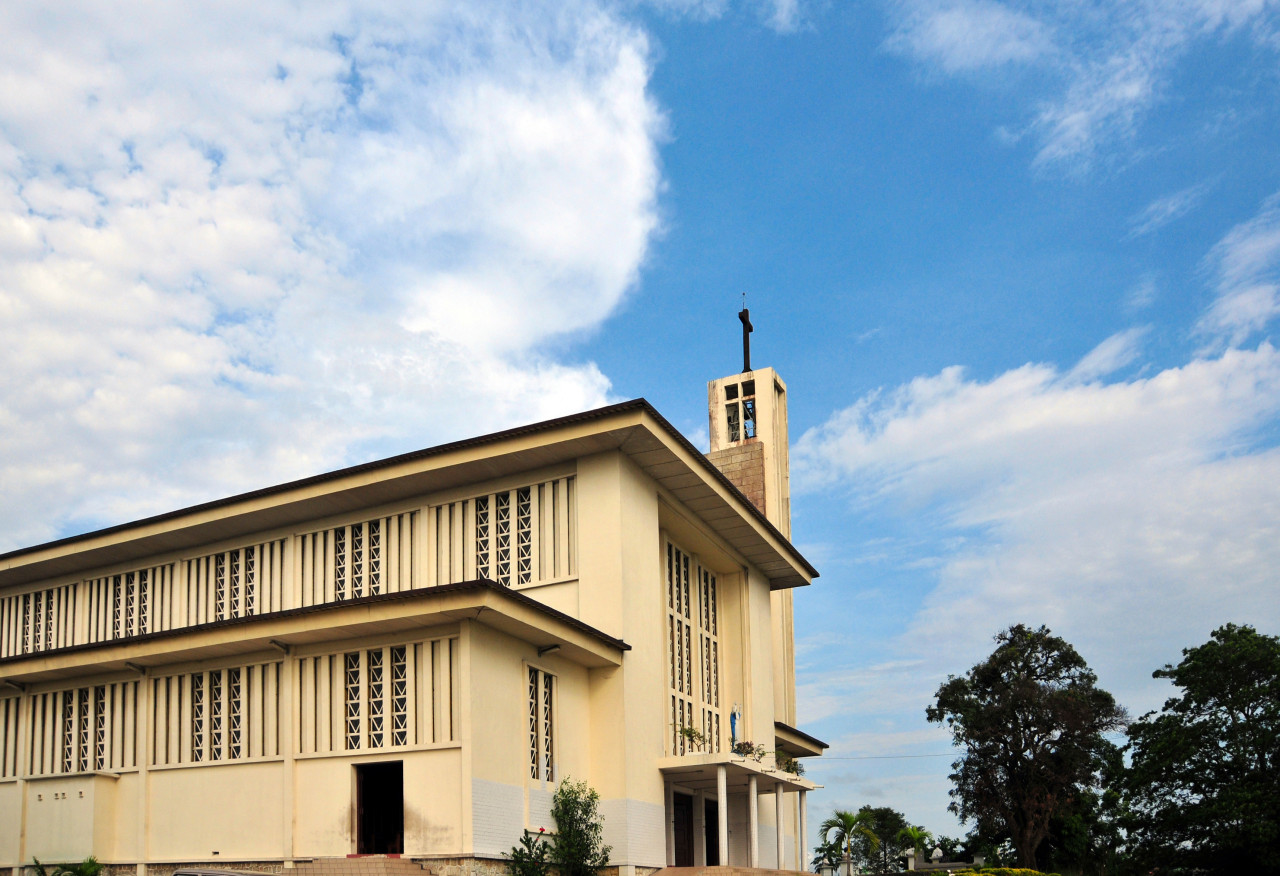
{"type": "Point", "coordinates": [578, 848]}
{"type": "Point", "coordinates": [1031, 720]}
{"type": "Point", "coordinates": [916, 838]}
{"type": "Point", "coordinates": [886, 823]}
{"type": "Point", "coordinates": [826, 853]}
{"type": "Point", "coordinates": [848, 832]}
{"type": "Point", "coordinates": [1203, 790]}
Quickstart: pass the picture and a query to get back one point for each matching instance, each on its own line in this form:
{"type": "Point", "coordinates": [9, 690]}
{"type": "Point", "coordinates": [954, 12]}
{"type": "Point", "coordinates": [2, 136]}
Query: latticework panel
{"type": "Point", "coordinates": [360, 559]}
{"type": "Point", "coordinates": [78, 730]}
{"type": "Point", "coordinates": [132, 603]}
{"type": "Point", "coordinates": [541, 720]}
{"type": "Point", "coordinates": [240, 582]}
{"type": "Point", "coordinates": [380, 698]}
{"type": "Point", "coordinates": [216, 716]}
{"type": "Point", "coordinates": [37, 621]}
{"type": "Point", "coordinates": [693, 652]}
{"type": "Point", "coordinates": [515, 537]}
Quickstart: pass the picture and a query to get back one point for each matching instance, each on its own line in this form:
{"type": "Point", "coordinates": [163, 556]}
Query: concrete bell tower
{"type": "Point", "coordinates": [747, 420]}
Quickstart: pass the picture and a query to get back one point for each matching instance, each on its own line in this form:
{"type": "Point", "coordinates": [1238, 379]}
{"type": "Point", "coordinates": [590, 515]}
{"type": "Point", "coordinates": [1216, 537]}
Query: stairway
{"type": "Point", "coordinates": [363, 865]}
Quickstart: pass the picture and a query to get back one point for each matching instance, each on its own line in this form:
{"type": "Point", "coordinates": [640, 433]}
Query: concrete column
{"type": "Point", "coordinates": [802, 843]}
{"type": "Point", "coordinates": [753, 815]}
{"type": "Point", "coordinates": [671, 825]}
{"type": "Point", "coordinates": [777, 819]}
{"type": "Point", "coordinates": [722, 810]}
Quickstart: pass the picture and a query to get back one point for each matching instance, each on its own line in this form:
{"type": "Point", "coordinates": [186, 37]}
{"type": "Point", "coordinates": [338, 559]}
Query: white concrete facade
{"type": "Point", "coordinates": [455, 630]}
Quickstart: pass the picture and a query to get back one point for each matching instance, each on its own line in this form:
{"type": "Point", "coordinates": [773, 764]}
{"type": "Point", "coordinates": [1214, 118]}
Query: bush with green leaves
{"type": "Point", "coordinates": [88, 867]}
{"type": "Point", "coordinates": [578, 848]}
{"type": "Point", "coordinates": [531, 856]}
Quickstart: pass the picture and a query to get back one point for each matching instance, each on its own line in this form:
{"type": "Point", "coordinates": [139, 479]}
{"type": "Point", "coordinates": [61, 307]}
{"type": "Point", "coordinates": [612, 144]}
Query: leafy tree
{"type": "Point", "coordinates": [1030, 718]}
{"type": "Point", "coordinates": [916, 838]}
{"type": "Point", "coordinates": [578, 848]}
{"type": "Point", "coordinates": [953, 848]}
{"type": "Point", "coordinates": [1085, 836]}
{"type": "Point", "coordinates": [847, 832]}
{"type": "Point", "coordinates": [828, 853]}
{"type": "Point", "coordinates": [886, 823]}
{"type": "Point", "coordinates": [1204, 786]}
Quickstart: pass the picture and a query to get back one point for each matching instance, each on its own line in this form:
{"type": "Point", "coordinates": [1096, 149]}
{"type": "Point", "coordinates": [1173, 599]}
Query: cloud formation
{"type": "Point", "coordinates": [239, 240]}
{"type": "Point", "coordinates": [1109, 60]}
{"type": "Point", "coordinates": [1130, 516]}
{"type": "Point", "coordinates": [1245, 266]}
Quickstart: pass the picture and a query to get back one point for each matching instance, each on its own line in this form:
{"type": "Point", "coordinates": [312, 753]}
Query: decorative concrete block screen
{"type": "Point", "coordinates": [236, 583]}
{"type": "Point", "coordinates": [693, 651]}
{"type": "Point", "coordinates": [130, 603]}
{"type": "Point", "coordinates": [37, 621]}
{"type": "Point", "coordinates": [395, 696]}
{"type": "Point", "coordinates": [83, 729]}
{"type": "Point", "coordinates": [516, 537]}
{"type": "Point", "coordinates": [359, 559]}
{"type": "Point", "coordinates": [228, 714]}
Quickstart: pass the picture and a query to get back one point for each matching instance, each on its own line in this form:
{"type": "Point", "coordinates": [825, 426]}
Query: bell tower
{"type": "Point", "coordinates": [747, 421]}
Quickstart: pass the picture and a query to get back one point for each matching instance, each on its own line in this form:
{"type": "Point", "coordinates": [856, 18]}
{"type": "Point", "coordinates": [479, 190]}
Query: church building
{"type": "Point", "coordinates": [405, 657]}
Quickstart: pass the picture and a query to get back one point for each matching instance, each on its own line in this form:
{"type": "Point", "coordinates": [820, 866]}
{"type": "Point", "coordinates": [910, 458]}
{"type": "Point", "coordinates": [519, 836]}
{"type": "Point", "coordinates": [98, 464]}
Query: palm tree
{"type": "Point", "coordinates": [917, 838]}
{"type": "Point", "coordinates": [841, 829]}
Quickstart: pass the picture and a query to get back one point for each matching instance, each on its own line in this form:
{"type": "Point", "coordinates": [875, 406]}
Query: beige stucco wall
{"type": "Point", "coordinates": [232, 810]}
{"type": "Point", "coordinates": [473, 796]}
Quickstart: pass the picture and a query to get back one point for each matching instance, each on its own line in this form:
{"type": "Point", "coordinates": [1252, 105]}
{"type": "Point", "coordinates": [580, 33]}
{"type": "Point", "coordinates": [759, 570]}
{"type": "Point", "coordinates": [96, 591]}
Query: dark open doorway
{"type": "Point", "coordinates": [682, 817]}
{"type": "Point", "coordinates": [712, 813]}
{"type": "Point", "coordinates": [380, 808]}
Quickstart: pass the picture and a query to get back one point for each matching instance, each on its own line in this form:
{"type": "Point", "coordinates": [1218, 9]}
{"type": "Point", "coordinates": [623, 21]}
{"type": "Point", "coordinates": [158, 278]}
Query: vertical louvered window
{"type": "Point", "coordinates": [250, 581]}
{"type": "Point", "coordinates": [483, 555]}
{"type": "Point", "coordinates": [220, 586]}
{"type": "Point", "coordinates": [235, 714]}
{"type": "Point", "coordinates": [541, 726]}
{"type": "Point", "coordinates": [100, 727]}
{"type": "Point", "coordinates": [399, 696]}
{"type": "Point", "coordinates": [197, 717]}
{"type": "Point", "coordinates": [502, 537]}
{"type": "Point", "coordinates": [375, 557]}
{"type": "Point", "coordinates": [352, 687]}
{"type": "Point", "coordinates": [215, 715]}
{"type": "Point", "coordinates": [82, 713]}
{"type": "Point", "coordinates": [68, 731]}
{"type": "Point", "coordinates": [377, 716]}
{"type": "Point", "coordinates": [693, 651]}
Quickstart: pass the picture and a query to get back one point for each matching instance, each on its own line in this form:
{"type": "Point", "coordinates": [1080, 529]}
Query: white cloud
{"type": "Point", "coordinates": [1110, 60]}
{"type": "Point", "coordinates": [1245, 266]}
{"type": "Point", "coordinates": [1110, 356]}
{"type": "Point", "coordinates": [239, 245]}
{"type": "Point", "coordinates": [1132, 517]}
{"type": "Point", "coordinates": [1169, 208]}
{"type": "Point", "coordinates": [970, 35]}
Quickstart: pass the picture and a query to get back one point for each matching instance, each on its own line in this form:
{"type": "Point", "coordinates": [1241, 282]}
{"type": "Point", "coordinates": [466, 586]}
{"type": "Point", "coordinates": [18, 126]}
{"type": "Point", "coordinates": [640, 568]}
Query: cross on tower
{"type": "Point", "coordinates": [747, 329]}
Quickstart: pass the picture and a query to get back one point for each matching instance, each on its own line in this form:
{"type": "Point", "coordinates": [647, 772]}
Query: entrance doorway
{"type": "Point", "coordinates": [712, 813]}
{"type": "Point", "coordinates": [380, 808]}
{"type": "Point", "coordinates": [682, 813]}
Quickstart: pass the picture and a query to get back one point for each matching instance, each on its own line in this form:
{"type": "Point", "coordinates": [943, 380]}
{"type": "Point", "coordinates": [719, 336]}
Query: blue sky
{"type": "Point", "coordinates": [1018, 263]}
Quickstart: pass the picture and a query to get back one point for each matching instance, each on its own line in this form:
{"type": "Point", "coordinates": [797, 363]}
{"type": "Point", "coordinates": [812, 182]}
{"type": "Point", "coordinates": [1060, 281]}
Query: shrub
{"type": "Point", "coordinates": [530, 857]}
{"type": "Point", "coordinates": [578, 848]}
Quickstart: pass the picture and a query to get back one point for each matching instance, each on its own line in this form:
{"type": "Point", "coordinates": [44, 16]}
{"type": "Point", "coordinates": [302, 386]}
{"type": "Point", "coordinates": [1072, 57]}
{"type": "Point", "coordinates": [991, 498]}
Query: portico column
{"type": "Point", "coordinates": [803, 841]}
{"type": "Point", "coordinates": [753, 816]}
{"type": "Point", "coordinates": [722, 812]}
{"type": "Point", "coordinates": [777, 818]}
